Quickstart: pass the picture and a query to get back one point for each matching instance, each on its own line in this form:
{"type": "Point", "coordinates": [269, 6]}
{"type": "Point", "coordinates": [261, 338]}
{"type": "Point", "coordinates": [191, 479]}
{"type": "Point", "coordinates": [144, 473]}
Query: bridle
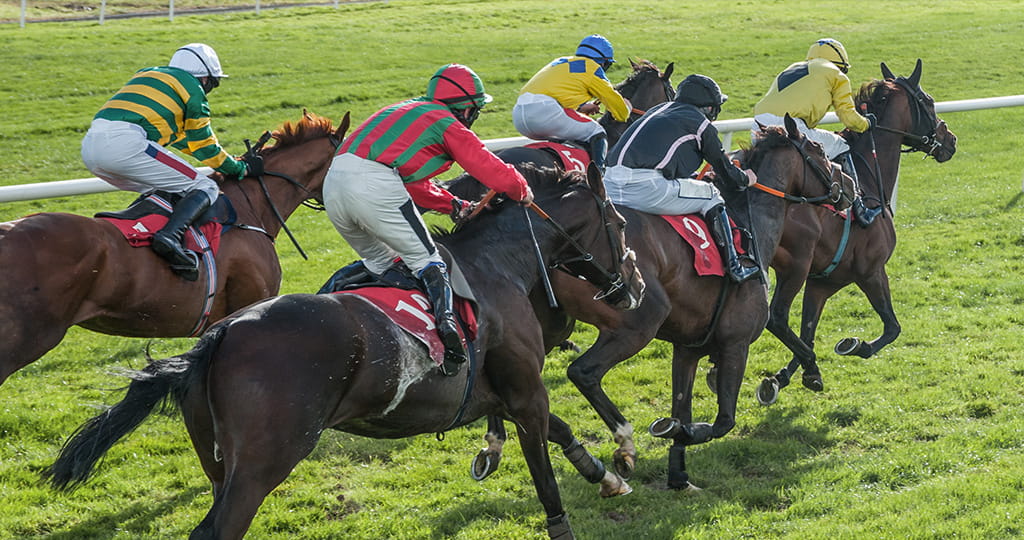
{"type": "Point", "coordinates": [827, 179]}
{"type": "Point", "coordinates": [309, 201]}
{"type": "Point", "coordinates": [629, 88]}
{"type": "Point", "coordinates": [924, 122]}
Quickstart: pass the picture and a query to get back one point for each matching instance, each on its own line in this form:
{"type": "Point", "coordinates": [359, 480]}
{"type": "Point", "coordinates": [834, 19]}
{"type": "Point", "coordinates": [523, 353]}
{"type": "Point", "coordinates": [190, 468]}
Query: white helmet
{"type": "Point", "coordinates": [198, 59]}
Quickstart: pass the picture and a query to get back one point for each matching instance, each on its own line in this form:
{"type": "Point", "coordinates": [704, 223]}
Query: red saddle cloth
{"type": "Point", "coordinates": [411, 311]}
{"type": "Point", "coordinates": [573, 158]}
{"type": "Point", "coordinates": [139, 232]}
{"type": "Point", "coordinates": [707, 261]}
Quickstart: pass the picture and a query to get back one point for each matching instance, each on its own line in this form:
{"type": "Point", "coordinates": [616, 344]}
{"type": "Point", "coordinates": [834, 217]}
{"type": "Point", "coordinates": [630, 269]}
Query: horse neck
{"type": "Point", "coordinates": [887, 146]}
{"type": "Point", "coordinates": [764, 215]}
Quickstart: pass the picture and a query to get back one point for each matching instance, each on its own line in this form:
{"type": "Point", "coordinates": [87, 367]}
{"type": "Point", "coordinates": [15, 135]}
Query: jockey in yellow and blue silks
{"type": "Point", "coordinates": [554, 103]}
{"type": "Point", "coordinates": [159, 107]}
{"type": "Point", "coordinates": [806, 90]}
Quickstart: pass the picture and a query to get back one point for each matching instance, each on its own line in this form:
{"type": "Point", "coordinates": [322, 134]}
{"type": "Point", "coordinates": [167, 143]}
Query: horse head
{"type": "Point", "coordinates": [903, 108]}
{"type": "Point", "coordinates": [301, 155]}
{"type": "Point", "coordinates": [645, 87]}
{"type": "Point", "coordinates": [793, 167]}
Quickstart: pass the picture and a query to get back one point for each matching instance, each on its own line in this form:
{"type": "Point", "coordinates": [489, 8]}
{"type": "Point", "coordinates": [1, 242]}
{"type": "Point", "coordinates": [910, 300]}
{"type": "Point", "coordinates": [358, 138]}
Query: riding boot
{"type": "Point", "coordinates": [599, 150]}
{"type": "Point", "coordinates": [439, 289]}
{"type": "Point", "coordinates": [864, 215]}
{"type": "Point", "coordinates": [721, 232]}
{"type": "Point", "coordinates": [353, 274]}
{"type": "Point", "coordinates": [168, 241]}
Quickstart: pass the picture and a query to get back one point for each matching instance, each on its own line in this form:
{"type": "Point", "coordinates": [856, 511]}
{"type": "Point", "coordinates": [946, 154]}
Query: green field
{"type": "Point", "coordinates": [921, 441]}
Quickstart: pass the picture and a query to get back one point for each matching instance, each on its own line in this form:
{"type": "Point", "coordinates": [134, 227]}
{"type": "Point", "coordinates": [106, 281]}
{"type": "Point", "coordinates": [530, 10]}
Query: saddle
{"type": "Point", "coordinates": [150, 211]}
{"type": "Point", "coordinates": [707, 260]}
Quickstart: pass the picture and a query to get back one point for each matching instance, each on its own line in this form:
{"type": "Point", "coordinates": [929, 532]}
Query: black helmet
{"type": "Point", "coordinates": [701, 91]}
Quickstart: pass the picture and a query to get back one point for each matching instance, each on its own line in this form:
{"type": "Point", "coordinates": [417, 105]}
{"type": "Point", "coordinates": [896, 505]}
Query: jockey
{"type": "Point", "coordinates": [806, 90]}
{"type": "Point", "coordinates": [159, 107]}
{"type": "Point", "coordinates": [554, 103]}
{"type": "Point", "coordinates": [650, 168]}
{"type": "Point", "coordinates": [383, 170]}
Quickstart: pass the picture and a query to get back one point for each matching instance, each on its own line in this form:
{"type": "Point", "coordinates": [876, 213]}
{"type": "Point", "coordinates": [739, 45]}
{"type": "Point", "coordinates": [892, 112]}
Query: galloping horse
{"type": "Point", "coordinates": [699, 315]}
{"type": "Point", "coordinates": [261, 385]}
{"type": "Point", "coordinates": [823, 249]}
{"type": "Point", "coordinates": [62, 270]}
{"type": "Point", "coordinates": [645, 87]}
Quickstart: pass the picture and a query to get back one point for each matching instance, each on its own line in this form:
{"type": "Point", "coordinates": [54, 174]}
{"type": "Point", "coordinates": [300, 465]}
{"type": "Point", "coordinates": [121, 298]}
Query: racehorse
{"type": "Point", "coordinates": [62, 270]}
{"type": "Point", "coordinates": [645, 87]}
{"type": "Point", "coordinates": [821, 248]}
{"type": "Point", "coordinates": [699, 315]}
{"type": "Point", "coordinates": [260, 386]}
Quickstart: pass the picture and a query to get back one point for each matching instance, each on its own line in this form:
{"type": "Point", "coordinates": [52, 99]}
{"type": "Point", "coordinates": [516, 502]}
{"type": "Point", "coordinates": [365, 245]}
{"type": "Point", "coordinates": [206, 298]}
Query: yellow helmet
{"type": "Point", "coordinates": [830, 50]}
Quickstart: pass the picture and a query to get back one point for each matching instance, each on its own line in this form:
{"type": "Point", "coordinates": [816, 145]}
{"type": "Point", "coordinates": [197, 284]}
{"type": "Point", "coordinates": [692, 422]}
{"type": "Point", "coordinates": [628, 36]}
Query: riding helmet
{"type": "Point", "coordinates": [830, 50]}
{"type": "Point", "coordinates": [458, 87]}
{"type": "Point", "coordinates": [198, 59]}
{"type": "Point", "coordinates": [597, 48]}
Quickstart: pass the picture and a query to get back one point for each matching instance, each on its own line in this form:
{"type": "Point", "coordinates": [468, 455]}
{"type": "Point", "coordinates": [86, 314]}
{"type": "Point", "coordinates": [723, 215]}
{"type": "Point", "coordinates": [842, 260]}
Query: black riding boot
{"type": "Point", "coordinates": [439, 289]}
{"type": "Point", "coordinates": [599, 150]}
{"type": "Point", "coordinates": [353, 274]}
{"type": "Point", "coordinates": [168, 241]}
{"type": "Point", "coordinates": [864, 215]}
{"type": "Point", "coordinates": [721, 232]}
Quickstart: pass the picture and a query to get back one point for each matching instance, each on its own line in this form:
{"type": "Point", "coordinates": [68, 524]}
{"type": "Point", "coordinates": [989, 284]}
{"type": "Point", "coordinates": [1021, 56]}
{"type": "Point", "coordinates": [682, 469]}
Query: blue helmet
{"type": "Point", "coordinates": [597, 48]}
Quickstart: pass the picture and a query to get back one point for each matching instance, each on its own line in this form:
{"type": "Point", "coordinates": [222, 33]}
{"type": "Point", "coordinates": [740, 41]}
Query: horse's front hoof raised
{"type": "Point", "coordinates": [768, 391]}
{"type": "Point", "coordinates": [813, 382]}
{"type": "Point", "coordinates": [847, 346]}
{"type": "Point", "coordinates": [624, 462]}
{"type": "Point", "coordinates": [485, 463]}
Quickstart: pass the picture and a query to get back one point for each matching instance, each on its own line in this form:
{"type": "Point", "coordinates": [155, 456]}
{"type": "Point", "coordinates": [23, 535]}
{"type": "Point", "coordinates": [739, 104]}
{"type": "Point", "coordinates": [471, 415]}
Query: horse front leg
{"type": "Point", "coordinates": [586, 464]}
{"type": "Point", "coordinates": [487, 460]}
{"type": "Point", "coordinates": [788, 285]}
{"type": "Point", "coordinates": [816, 294]}
{"type": "Point", "coordinates": [680, 426]}
{"type": "Point", "coordinates": [876, 288]}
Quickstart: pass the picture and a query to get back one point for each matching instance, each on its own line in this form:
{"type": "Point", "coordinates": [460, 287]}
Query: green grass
{"type": "Point", "coordinates": [922, 441]}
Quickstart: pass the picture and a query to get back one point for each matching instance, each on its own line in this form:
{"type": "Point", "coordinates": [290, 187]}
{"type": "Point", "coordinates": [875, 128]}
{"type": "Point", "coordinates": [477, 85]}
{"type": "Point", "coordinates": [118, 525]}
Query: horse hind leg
{"type": "Point", "coordinates": [488, 459]}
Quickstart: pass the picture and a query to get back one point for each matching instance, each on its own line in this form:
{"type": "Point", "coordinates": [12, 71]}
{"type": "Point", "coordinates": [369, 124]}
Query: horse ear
{"type": "Point", "coordinates": [634, 65]}
{"type": "Point", "coordinates": [595, 180]}
{"type": "Point", "coordinates": [343, 127]}
{"type": "Point", "coordinates": [668, 70]}
{"type": "Point", "coordinates": [791, 129]}
{"type": "Point", "coordinates": [915, 77]}
{"type": "Point", "coordinates": [887, 73]}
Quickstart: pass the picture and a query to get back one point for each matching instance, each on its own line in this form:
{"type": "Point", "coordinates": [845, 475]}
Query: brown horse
{"type": "Point", "coordinates": [645, 87]}
{"type": "Point", "coordinates": [822, 249]}
{"type": "Point", "coordinates": [62, 270]}
{"type": "Point", "coordinates": [699, 315]}
{"type": "Point", "coordinates": [261, 385]}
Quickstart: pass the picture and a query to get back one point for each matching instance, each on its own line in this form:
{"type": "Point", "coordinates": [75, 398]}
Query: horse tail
{"type": "Point", "coordinates": [158, 382]}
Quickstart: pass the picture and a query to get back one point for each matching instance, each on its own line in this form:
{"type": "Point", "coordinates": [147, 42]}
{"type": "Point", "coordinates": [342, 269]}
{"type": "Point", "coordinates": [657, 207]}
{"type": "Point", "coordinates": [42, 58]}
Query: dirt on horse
{"type": "Point", "coordinates": [63, 270]}
{"type": "Point", "coordinates": [260, 386]}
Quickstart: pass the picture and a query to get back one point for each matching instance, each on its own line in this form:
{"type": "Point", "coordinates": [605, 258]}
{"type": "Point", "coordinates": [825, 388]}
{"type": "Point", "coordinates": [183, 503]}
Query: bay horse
{"type": "Point", "coordinates": [260, 386]}
{"type": "Point", "coordinates": [699, 315]}
{"type": "Point", "coordinates": [62, 270]}
{"type": "Point", "coordinates": [645, 87]}
{"type": "Point", "coordinates": [823, 250]}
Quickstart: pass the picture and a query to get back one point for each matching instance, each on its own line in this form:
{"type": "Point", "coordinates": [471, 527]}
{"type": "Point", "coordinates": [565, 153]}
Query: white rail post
{"type": "Point", "coordinates": [21, 20]}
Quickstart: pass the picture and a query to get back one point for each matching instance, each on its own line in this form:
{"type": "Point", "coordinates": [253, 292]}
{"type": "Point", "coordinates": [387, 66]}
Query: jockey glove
{"type": "Point", "coordinates": [872, 120]}
{"type": "Point", "coordinates": [253, 165]}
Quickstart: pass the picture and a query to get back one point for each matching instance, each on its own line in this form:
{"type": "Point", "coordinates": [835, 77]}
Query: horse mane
{"type": "Point", "coordinates": [767, 139]}
{"type": "Point", "coordinates": [868, 91]}
{"type": "Point", "coordinates": [311, 126]}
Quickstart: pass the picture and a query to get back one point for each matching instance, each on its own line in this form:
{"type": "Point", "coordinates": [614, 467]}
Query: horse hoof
{"type": "Point", "coordinates": [484, 464]}
{"type": "Point", "coordinates": [712, 379]}
{"type": "Point", "coordinates": [813, 382]}
{"type": "Point", "coordinates": [688, 489]}
{"type": "Point", "coordinates": [847, 346]}
{"type": "Point", "coordinates": [665, 428]}
{"type": "Point", "coordinates": [614, 485]}
{"type": "Point", "coordinates": [624, 463]}
{"type": "Point", "coordinates": [768, 391]}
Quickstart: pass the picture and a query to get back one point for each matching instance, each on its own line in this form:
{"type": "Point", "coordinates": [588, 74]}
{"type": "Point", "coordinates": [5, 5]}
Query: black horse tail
{"type": "Point", "coordinates": [158, 382]}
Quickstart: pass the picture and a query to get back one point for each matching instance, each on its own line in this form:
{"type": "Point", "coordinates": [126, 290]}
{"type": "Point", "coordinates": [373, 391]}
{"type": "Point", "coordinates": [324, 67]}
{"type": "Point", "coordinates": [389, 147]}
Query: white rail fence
{"type": "Point", "coordinates": [87, 186]}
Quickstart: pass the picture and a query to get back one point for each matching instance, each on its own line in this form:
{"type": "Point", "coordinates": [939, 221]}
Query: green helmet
{"type": "Point", "coordinates": [458, 87]}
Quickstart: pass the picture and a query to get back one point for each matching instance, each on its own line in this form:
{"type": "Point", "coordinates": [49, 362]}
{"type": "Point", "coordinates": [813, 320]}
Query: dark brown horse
{"type": "Point", "coordinates": [645, 87]}
{"type": "Point", "coordinates": [62, 270]}
{"type": "Point", "coordinates": [822, 249]}
{"type": "Point", "coordinates": [260, 386]}
{"type": "Point", "coordinates": [699, 315]}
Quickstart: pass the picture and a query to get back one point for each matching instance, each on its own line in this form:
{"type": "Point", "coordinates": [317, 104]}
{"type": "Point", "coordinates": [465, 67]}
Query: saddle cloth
{"type": "Point", "coordinates": [707, 260]}
{"type": "Point", "coordinates": [573, 158]}
{"type": "Point", "coordinates": [411, 311]}
{"type": "Point", "coordinates": [150, 212]}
